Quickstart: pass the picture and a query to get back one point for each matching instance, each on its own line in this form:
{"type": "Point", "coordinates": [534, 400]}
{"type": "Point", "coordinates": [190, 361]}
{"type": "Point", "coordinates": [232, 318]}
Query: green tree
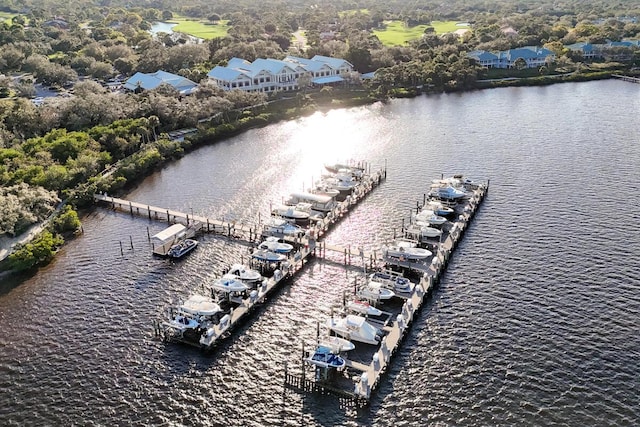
{"type": "Point", "coordinates": [39, 252]}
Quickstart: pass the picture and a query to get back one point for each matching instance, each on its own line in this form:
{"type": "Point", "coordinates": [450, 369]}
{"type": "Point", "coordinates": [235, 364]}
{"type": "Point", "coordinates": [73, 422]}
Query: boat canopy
{"type": "Point", "coordinates": [170, 234]}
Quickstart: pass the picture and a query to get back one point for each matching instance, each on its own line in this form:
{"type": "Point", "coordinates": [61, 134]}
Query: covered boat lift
{"type": "Point", "coordinates": [168, 237]}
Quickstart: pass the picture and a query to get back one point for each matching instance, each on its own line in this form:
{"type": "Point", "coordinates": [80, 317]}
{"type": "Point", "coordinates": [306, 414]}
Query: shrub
{"type": "Point", "coordinates": [39, 252]}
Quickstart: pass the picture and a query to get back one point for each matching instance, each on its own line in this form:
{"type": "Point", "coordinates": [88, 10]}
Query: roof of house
{"type": "Point", "coordinates": [153, 80]}
{"type": "Point", "coordinates": [334, 63]}
{"type": "Point", "coordinates": [328, 79]}
{"type": "Point", "coordinates": [585, 47]}
{"type": "Point", "coordinates": [527, 52]}
{"type": "Point", "coordinates": [226, 73]}
{"type": "Point", "coordinates": [274, 66]}
{"type": "Point", "coordinates": [168, 234]}
{"type": "Point", "coordinates": [482, 55]}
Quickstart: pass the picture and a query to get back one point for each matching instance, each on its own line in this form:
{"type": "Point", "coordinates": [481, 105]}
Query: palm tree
{"type": "Point", "coordinates": [154, 122]}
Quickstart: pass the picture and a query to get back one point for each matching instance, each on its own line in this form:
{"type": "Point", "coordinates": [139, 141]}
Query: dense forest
{"type": "Point", "coordinates": [58, 149]}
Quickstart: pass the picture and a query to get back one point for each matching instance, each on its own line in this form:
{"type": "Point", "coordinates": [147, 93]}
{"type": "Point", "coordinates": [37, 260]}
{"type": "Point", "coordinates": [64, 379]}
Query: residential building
{"type": "Point", "coordinates": [271, 75]}
{"type": "Point", "coordinates": [533, 57]}
{"type": "Point", "coordinates": [143, 81]}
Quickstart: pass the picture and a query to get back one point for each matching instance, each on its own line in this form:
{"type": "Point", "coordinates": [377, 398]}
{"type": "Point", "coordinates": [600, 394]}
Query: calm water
{"type": "Point", "coordinates": [162, 27]}
{"type": "Point", "coordinates": [535, 323]}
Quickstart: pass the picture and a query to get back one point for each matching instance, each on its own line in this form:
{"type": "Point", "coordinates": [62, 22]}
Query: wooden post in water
{"type": "Point", "coordinates": [131, 241]}
{"type": "Point", "coordinates": [130, 208]}
{"type": "Point", "coordinates": [121, 251]}
{"type": "Point", "coordinates": [168, 217]}
{"type": "Point", "coordinates": [148, 234]}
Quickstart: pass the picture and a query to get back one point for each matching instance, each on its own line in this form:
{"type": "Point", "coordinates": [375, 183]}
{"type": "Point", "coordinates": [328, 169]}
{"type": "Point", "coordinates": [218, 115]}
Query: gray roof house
{"type": "Point", "coordinates": [153, 80]}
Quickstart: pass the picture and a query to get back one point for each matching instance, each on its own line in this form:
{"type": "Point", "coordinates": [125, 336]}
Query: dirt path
{"type": "Point", "coordinates": [301, 40]}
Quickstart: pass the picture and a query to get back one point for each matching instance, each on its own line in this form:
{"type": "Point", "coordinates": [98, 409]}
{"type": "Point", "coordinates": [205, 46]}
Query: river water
{"type": "Point", "coordinates": [535, 322]}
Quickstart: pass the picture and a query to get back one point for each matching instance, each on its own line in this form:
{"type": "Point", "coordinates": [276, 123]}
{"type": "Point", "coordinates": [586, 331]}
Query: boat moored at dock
{"type": "Point", "coordinates": [182, 248]}
{"type": "Point", "coordinates": [355, 328]}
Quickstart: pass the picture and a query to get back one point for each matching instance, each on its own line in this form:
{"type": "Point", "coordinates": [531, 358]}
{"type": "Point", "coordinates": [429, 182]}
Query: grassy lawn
{"type": "Point", "coordinates": [6, 17]}
{"type": "Point", "coordinates": [397, 33]}
{"type": "Point", "coordinates": [202, 29]}
{"type": "Point", "coordinates": [442, 27]}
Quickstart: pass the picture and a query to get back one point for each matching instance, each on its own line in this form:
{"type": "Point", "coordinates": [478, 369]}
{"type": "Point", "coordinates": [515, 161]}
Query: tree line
{"type": "Point", "coordinates": [57, 150]}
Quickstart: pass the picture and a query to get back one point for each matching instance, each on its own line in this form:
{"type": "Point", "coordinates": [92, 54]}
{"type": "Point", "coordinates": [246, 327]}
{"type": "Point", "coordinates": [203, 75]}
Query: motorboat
{"type": "Point", "coordinates": [422, 230]}
{"type": "Point", "coordinates": [355, 328]}
{"type": "Point", "coordinates": [336, 344]}
{"type": "Point", "coordinates": [428, 216]}
{"type": "Point", "coordinates": [363, 307]}
{"type": "Point", "coordinates": [324, 358]}
{"type": "Point", "coordinates": [322, 203]}
{"type": "Point", "coordinates": [375, 292]}
{"type": "Point", "coordinates": [280, 226]}
{"type": "Point", "coordinates": [195, 313]}
{"type": "Point", "coordinates": [200, 306]}
{"type": "Point", "coordinates": [342, 183]}
{"type": "Point", "coordinates": [324, 190]}
{"type": "Point", "coordinates": [228, 284]}
{"type": "Point", "coordinates": [439, 208]}
{"type": "Point", "coordinates": [406, 251]}
{"type": "Point", "coordinates": [182, 248]}
{"type": "Point", "coordinates": [245, 274]}
{"type": "Point", "coordinates": [447, 193]}
{"type": "Point", "coordinates": [355, 171]}
{"type": "Point", "coordinates": [268, 256]}
{"type": "Point", "coordinates": [391, 280]}
{"type": "Point", "coordinates": [182, 322]}
{"type": "Point", "coordinates": [273, 244]}
{"type": "Point", "coordinates": [314, 215]}
{"type": "Point", "coordinates": [291, 213]}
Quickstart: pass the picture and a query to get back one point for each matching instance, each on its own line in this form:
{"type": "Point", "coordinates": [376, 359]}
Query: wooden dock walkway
{"type": "Point", "coordinates": [173, 216]}
{"type": "Point", "coordinates": [626, 78]}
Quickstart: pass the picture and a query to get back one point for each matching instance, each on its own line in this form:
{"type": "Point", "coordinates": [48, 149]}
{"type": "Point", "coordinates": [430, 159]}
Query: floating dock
{"type": "Point", "coordinates": [359, 379]}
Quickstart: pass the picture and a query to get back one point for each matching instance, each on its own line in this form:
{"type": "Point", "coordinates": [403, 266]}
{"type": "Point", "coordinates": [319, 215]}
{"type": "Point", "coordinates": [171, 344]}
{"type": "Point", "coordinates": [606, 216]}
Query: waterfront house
{"type": "Point", "coordinates": [484, 58]}
{"type": "Point", "coordinates": [271, 75]}
{"type": "Point", "coordinates": [621, 51]}
{"type": "Point", "coordinates": [533, 57]}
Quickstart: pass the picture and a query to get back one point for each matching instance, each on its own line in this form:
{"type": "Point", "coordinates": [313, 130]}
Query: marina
{"type": "Point", "coordinates": [358, 378]}
{"type": "Point", "coordinates": [275, 261]}
{"type": "Point", "coordinates": [239, 299]}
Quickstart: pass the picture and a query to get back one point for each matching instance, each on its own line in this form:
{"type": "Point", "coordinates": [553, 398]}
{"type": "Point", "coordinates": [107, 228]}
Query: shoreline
{"type": "Point", "coordinates": [275, 112]}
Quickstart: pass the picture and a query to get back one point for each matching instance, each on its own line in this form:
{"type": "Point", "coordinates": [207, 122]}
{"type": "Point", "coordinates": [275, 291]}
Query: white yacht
{"type": "Point", "coordinates": [355, 328]}
{"type": "Point", "coordinates": [336, 344]}
{"type": "Point", "coordinates": [375, 292]}
{"type": "Point", "coordinates": [244, 273]}
{"type": "Point", "coordinates": [406, 251]}
{"type": "Point", "coordinates": [228, 284]}
{"type": "Point", "coordinates": [274, 244]}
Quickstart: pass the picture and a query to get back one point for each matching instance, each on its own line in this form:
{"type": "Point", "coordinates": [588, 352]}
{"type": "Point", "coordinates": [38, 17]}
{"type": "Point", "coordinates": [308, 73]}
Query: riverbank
{"type": "Point", "coordinates": [131, 170]}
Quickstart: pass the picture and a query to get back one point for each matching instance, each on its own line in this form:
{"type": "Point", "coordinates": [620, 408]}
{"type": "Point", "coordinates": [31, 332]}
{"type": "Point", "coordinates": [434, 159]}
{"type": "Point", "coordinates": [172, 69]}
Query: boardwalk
{"type": "Point", "coordinates": [172, 216]}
